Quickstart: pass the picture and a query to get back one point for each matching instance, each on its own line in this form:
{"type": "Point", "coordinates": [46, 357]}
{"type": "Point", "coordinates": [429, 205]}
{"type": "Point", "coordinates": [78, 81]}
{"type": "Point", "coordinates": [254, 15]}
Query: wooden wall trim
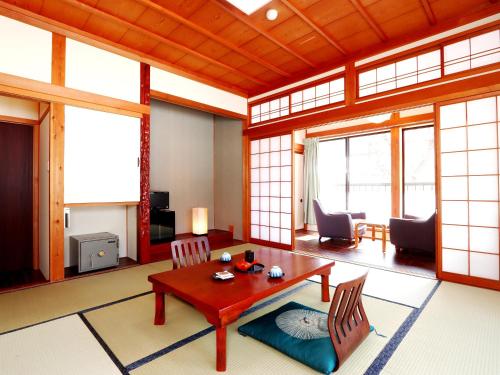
{"type": "Point", "coordinates": [143, 210]}
{"type": "Point", "coordinates": [425, 96]}
{"type": "Point", "coordinates": [101, 204]}
{"type": "Point", "coordinates": [56, 93]}
{"type": "Point", "coordinates": [44, 114]}
{"type": "Point", "coordinates": [369, 126]}
{"type": "Point", "coordinates": [19, 120]}
{"type": "Point", "coordinates": [169, 98]}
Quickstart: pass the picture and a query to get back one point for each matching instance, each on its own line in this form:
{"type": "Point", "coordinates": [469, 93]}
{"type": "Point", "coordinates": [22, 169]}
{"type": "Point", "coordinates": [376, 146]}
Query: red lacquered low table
{"type": "Point", "coordinates": [222, 302]}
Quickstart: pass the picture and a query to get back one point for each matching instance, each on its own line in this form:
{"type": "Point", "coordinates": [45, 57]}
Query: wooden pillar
{"type": "Point", "coordinates": [351, 84]}
{"type": "Point", "coordinates": [143, 223]}
{"type": "Point", "coordinates": [246, 188]}
{"type": "Point", "coordinates": [56, 167]}
{"type": "Point", "coordinates": [396, 172]}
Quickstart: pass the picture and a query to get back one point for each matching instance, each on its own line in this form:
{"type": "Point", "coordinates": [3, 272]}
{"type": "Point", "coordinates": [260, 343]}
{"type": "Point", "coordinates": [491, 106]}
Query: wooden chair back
{"type": "Point", "coordinates": [347, 321]}
{"type": "Point", "coordinates": [190, 251]}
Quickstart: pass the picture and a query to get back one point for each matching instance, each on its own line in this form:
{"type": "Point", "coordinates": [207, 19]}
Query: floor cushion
{"type": "Point", "coordinates": [297, 331]}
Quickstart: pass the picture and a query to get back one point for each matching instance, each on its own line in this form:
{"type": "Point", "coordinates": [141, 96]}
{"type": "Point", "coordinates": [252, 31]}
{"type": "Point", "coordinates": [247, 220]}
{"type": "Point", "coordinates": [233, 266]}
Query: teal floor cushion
{"type": "Point", "coordinates": [297, 331]}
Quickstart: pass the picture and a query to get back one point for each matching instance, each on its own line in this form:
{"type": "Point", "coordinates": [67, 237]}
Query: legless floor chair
{"type": "Point", "coordinates": [190, 251]}
{"type": "Point", "coordinates": [320, 341]}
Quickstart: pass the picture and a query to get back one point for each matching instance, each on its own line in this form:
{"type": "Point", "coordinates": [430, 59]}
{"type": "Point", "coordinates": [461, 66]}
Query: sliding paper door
{"type": "Point", "coordinates": [271, 191]}
{"type": "Point", "coordinates": [468, 196]}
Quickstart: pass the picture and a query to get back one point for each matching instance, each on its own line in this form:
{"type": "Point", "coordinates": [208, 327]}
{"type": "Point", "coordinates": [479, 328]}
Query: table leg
{"type": "Point", "coordinates": [325, 288]}
{"type": "Point", "coordinates": [160, 308]}
{"type": "Point", "coordinates": [220, 337]}
{"type": "Point", "coordinates": [356, 235]}
{"type": "Point", "coordinates": [373, 232]}
{"type": "Point", "coordinates": [384, 237]}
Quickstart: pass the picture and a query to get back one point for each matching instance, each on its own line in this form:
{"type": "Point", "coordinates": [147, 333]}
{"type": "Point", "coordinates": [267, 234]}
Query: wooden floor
{"type": "Point", "coordinates": [368, 253]}
{"type": "Point", "coordinates": [20, 279]}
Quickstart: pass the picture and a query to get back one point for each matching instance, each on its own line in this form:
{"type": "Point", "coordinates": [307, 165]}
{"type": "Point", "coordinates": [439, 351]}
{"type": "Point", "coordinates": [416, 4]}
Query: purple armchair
{"type": "Point", "coordinates": [414, 234]}
{"type": "Point", "coordinates": [337, 224]}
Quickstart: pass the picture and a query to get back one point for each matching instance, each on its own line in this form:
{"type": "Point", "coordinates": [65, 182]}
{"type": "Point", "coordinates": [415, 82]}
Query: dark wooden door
{"type": "Point", "coordinates": [16, 197]}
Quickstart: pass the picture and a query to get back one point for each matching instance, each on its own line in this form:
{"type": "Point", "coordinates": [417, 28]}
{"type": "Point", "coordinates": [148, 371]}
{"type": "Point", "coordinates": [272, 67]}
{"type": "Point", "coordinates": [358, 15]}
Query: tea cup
{"type": "Point", "coordinates": [276, 271]}
{"type": "Point", "coordinates": [225, 257]}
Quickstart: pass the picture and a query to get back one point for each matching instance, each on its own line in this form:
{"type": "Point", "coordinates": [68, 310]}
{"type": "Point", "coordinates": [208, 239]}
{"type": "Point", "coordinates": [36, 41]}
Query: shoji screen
{"type": "Point", "coordinates": [469, 187]}
{"type": "Point", "coordinates": [271, 189]}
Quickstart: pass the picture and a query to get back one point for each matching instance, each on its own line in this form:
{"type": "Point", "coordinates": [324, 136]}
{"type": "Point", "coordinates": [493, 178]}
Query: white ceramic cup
{"type": "Point", "coordinates": [276, 271]}
{"type": "Point", "coordinates": [225, 257]}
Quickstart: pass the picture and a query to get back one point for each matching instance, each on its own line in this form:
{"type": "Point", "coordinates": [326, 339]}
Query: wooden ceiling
{"type": "Point", "coordinates": [214, 41]}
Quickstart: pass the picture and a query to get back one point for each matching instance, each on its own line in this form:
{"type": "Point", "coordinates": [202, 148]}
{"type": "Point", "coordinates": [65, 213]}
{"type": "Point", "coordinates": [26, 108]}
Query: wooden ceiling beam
{"type": "Point", "coordinates": [194, 26]}
{"type": "Point", "coordinates": [375, 27]}
{"type": "Point", "coordinates": [429, 13]}
{"type": "Point", "coordinates": [247, 21]}
{"type": "Point", "coordinates": [100, 13]}
{"type": "Point", "coordinates": [314, 26]}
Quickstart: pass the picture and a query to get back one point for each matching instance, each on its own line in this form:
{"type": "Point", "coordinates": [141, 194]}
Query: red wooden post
{"type": "Point", "coordinates": [325, 288]}
{"type": "Point", "coordinates": [220, 333]}
{"type": "Point", "coordinates": [159, 308]}
{"type": "Point", "coordinates": [143, 224]}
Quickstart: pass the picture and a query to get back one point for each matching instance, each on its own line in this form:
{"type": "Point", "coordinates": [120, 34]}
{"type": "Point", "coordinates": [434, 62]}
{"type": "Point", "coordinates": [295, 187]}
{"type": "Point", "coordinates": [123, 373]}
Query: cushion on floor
{"type": "Point", "coordinates": [297, 331]}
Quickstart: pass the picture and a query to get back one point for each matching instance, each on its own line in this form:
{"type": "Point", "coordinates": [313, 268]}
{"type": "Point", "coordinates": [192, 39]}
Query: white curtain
{"type": "Point", "coordinates": [311, 178]}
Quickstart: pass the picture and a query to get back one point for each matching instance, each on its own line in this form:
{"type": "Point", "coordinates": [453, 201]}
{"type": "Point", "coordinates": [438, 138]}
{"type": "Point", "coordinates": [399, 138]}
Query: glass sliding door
{"type": "Point", "coordinates": [332, 169]}
{"type": "Point", "coordinates": [355, 175]}
{"type": "Point", "coordinates": [419, 197]}
{"type": "Point", "coordinates": [369, 187]}
{"type": "Point", "coordinates": [468, 190]}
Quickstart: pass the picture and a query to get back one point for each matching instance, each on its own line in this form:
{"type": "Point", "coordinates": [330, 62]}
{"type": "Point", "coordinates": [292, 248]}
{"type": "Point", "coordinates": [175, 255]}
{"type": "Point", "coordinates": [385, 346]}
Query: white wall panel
{"type": "Point", "coordinates": [25, 51]}
{"type": "Point", "coordinates": [101, 72]}
{"type": "Point", "coordinates": [101, 154]}
{"type": "Point", "coordinates": [15, 107]}
{"type": "Point", "coordinates": [174, 84]}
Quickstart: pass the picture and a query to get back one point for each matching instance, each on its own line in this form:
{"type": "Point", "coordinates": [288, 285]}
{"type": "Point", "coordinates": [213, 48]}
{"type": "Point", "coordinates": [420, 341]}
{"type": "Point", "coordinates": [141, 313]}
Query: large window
{"type": "Point", "coordinates": [419, 192]}
{"type": "Point", "coordinates": [355, 175]}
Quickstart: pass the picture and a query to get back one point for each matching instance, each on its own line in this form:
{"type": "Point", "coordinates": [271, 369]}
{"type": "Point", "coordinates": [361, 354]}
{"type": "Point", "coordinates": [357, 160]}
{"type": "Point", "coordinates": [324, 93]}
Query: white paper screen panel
{"type": "Point", "coordinates": [469, 155]}
{"type": "Point", "coordinates": [101, 72]}
{"type": "Point", "coordinates": [101, 152]}
{"type": "Point", "coordinates": [25, 51]}
{"type": "Point", "coordinates": [271, 189]}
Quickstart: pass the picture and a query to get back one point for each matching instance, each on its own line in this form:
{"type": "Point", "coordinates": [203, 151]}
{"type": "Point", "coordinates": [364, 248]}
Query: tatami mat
{"type": "Point", "coordinates": [457, 333]}
{"type": "Point", "coordinates": [393, 286]}
{"type": "Point", "coordinates": [60, 347]}
{"type": "Point", "coordinates": [34, 305]}
{"type": "Point", "coordinates": [128, 329]}
{"type": "Point", "coordinates": [248, 356]}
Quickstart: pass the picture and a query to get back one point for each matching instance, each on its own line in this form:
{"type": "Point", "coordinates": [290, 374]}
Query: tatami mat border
{"type": "Point", "coordinates": [379, 363]}
{"type": "Point", "coordinates": [80, 311]}
{"type": "Point", "coordinates": [103, 344]}
{"type": "Point", "coordinates": [208, 330]}
{"type": "Point", "coordinates": [371, 296]}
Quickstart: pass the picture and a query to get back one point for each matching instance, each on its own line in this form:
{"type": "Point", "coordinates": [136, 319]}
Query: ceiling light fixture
{"type": "Point", "coordinates": [378, 119]}
{"type": "Point", "coordinates": [272, 14]}
{"type": "Point", "coordinates": [248, 7]}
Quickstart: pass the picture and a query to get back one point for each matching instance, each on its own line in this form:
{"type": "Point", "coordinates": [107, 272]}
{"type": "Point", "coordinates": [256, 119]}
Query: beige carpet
{"type": "Point", "coordinates": [248, 356]}
{"type": "Point", "coordinates": [61, 347]}
{"type": "Point", "coordinates": [393, 286]}
{"type": "Point", "coordinates": [457, 333]}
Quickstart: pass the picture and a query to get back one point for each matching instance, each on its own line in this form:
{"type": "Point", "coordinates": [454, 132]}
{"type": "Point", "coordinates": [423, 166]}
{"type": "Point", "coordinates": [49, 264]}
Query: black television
{"type": "Point", "coordinates": [159, 200]}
